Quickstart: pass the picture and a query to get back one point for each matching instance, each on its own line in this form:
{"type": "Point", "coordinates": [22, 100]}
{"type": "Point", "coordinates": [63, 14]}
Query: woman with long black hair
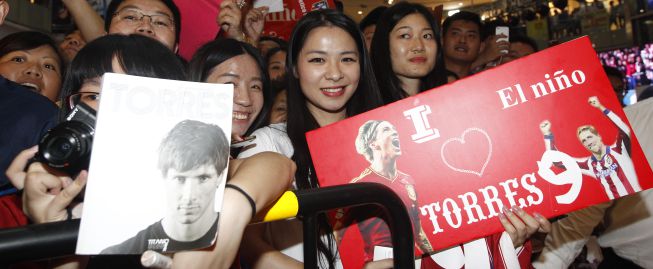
{"type": "Point", "coordinates": [330, 79]}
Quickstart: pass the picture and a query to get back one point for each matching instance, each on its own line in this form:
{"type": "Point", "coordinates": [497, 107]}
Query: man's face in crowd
{"type": "Point", "coordinates": [518, 50]}
{"type": "Point", "coordinates": [190, 194]}
{"type": "Point", "coordinates": [158, 22]}
{"type": "Point", "coordinates": [387, 140]}
{"type": "Point", "coordinates": [462, 41]}
{"type": "Point", "coordinates": [71, 44]}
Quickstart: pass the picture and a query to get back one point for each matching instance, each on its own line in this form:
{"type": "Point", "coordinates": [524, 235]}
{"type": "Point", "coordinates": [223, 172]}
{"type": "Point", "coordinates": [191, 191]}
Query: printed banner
{"type": "Point", "coordinates": [158, 166]}
{"type": "Point", "coordinates": [280, 24]}
{"type": "Point", "coordinates": [544, 133]}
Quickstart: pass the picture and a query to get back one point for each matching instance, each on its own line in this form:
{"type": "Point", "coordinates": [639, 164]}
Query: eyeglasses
{"type": "Point", "coordinates": [86, 97]}
{"type": "Point", "coordinates": [135, 17]}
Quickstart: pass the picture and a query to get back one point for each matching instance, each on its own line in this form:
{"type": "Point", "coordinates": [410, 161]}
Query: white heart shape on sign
{"type": "Point", "coordinates": [461, 140]}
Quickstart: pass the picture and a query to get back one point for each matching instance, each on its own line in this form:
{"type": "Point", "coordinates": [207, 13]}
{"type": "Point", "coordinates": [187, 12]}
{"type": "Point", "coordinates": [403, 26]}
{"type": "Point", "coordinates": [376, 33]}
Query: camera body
{"type": "Point", "coordinates": [67, 146]}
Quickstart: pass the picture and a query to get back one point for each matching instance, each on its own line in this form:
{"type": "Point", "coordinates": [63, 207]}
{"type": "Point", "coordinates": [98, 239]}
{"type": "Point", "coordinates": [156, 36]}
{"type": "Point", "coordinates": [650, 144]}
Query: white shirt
{"type": "Point", "coordinates": [270, 138]}
{"type": "Point", "coordinates": [284, 235]}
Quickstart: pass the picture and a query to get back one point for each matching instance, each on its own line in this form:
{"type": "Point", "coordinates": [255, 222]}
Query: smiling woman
{"type": "Point", "coordinates": [330, 79]}
{"type": "Point", "coordinates": [228, 61]}
{"type": "Point", "coordinates": [31, 59]}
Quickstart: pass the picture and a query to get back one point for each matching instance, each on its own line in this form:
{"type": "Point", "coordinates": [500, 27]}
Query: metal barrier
{"type": "Point", "coordinates": [58, 239]}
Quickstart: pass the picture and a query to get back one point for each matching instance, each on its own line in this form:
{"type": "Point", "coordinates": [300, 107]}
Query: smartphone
{"type": "Point", "coordinates": [503, 30]}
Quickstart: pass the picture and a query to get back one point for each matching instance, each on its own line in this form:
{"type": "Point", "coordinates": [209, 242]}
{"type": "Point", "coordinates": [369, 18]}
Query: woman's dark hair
{"type": "Point", "coordinates": [524, 39]}
{"type": "Point", "coordinates": [372, 18]}
{"type": "Point", "coordinates": [95, 59]}
{"type": "Point", "coordinates": [300, 120]}
{"type": "Point", "coordinates": [112, 8]}
{"type": "Point", "coordinates": [273, 51]}
{"type": "Point", "coordinates": [391, 88]}
{"type": "Point", "coordinates": [27, 41]}
{"type": "Point", "coordinates": [279, 41]}
{"type": "Point", "coordinates": [220, 50]}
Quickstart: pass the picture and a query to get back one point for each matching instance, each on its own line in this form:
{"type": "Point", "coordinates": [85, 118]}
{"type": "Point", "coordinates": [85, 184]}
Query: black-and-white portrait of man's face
{"type": "Point", "coordinates": [190, 195]}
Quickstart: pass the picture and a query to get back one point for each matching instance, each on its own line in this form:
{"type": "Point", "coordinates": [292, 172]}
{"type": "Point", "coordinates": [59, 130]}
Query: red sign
{"type": "Point", "coordinates": [545, 133]}
{"type": "Point", "coordinates": [280, 24]}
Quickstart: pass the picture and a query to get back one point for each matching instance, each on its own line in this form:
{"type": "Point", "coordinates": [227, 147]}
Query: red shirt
{"type": "Point", "coordinates": [370, 219]}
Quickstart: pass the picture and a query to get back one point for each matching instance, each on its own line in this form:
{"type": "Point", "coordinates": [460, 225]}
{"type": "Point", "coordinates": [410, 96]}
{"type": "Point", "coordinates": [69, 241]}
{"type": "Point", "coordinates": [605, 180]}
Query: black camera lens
{"type": "Point", "coordinates": [60, 148]}
{"type": "Point", "coordinates": [67, 146]}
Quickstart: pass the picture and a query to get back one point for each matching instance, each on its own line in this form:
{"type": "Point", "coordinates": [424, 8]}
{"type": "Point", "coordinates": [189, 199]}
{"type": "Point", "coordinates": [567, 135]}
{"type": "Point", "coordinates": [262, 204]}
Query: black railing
{"type": "Point", "coordinates": [35, 242]}
{"type": "Point", "coordinates": [314, 201]}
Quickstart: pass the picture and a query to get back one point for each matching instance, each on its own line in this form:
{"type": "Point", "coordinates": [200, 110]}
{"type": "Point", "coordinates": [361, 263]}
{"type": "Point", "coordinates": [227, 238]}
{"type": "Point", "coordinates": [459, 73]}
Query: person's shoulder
{"type": "Point", "coordinates": [18, 99]}
{"type": "Point", "coordinates": [269, 138]}
{"type": "Point", "coordinates": [273, 130]}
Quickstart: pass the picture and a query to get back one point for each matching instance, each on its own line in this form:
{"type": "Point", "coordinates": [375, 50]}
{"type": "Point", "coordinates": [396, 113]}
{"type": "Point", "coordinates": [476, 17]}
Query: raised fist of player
{"type": "Point", "coordinates": [594, 101]}
{"type": "Point", "coordinates": [545, 127]}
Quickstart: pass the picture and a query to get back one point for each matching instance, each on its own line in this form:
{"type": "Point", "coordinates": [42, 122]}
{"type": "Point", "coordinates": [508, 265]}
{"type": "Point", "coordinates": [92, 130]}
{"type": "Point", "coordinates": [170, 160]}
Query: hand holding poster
{"type": "Point", "coordinates": [280, 24]}
{"type": "Point", "coordinates": [158, 166]}
{"type": "Point", "coordinates": [544, 134]}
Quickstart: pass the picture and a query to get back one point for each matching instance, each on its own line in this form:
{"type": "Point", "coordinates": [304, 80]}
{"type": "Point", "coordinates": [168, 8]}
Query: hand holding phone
{"type": "Point", "coordinates": [505, 31]}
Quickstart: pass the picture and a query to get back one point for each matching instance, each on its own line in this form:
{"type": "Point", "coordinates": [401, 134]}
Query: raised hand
{"type": "Point", "coordinates": [594, 102]}
{"type": "Point", "coordinates": [47, 195]}
{"type": "Point", "coordinates": [229, 19]}
{"type": "Point", "coordinates": [16, 170]}
{"type": "Point", "coordinates": [254, 23]}
{"type": "Point", "coordinates": [545, 127]}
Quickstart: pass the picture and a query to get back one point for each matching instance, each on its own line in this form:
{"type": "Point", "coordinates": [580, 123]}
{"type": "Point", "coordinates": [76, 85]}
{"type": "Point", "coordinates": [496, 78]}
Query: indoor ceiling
{"type": "Point", "coordinates": [352, 7]}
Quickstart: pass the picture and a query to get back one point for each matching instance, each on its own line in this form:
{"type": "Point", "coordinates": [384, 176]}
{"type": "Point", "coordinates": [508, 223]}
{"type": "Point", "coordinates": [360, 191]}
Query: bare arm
{"type": "Point", "coordinates": [90, 24]}
{"type": "Point", "coordinates": [264, 177]}
{"type": "Point", "coordinates": [263, 255]}
{"type": "Point", "coordinates": [423, 242]}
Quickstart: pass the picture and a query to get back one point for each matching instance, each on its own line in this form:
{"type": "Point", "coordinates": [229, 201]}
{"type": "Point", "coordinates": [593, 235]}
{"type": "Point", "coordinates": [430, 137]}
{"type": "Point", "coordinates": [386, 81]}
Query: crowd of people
{"type": "Point", "coordinates": [330, 69]}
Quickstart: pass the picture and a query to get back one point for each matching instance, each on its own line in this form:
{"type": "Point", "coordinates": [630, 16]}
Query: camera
{"type": "Point", "coordinates": [67, 146]}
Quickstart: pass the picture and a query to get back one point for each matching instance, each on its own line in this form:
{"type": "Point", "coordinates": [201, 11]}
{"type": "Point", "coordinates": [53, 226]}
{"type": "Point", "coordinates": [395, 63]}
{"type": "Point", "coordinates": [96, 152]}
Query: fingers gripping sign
{"type": "Point", "coordinates": [572, 174]}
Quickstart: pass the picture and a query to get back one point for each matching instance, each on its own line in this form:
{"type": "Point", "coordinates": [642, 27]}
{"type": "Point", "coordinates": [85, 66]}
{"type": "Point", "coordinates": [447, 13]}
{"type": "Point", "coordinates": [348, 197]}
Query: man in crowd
{"type": "Point", "coordinates": [158, 19]}
{"type": "Point", "coordinates": [461, 42]}
{"type": "Point", "coordinates": [71, 44]}
{"type": "Point", "coordinates": [520, 46]}
{"type": "Point", "coordinates": [618, 82]}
